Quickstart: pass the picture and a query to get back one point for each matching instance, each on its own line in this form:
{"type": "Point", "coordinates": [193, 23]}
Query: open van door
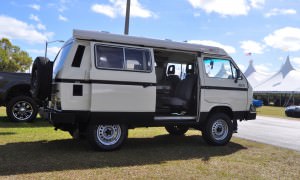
{"type": "Point", "coordinates": [122, 82]}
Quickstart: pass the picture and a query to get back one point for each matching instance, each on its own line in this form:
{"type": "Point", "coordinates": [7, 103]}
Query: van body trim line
{"type": "Point", "coordinates": [144, 84]}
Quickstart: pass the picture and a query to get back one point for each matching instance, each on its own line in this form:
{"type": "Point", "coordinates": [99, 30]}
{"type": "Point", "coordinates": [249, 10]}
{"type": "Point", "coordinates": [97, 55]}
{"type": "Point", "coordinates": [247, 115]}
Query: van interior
{"type": "Point", "coordinates": [176, 92]}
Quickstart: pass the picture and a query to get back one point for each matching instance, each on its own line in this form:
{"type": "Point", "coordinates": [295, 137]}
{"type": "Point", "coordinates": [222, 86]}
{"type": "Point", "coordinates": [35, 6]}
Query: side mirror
{"type": "Point", "coordinates": [238, 75]}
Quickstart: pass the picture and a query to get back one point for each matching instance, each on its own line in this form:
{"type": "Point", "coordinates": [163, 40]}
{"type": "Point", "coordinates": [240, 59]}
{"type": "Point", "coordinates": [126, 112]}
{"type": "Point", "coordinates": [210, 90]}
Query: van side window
{"type": "Point", "coordinates": [219, 68]}
{"type": "Point", "coordinates": [137, 59]}
{"type": "Point", "coordinates": [78, 56]}
{"type": "Point", "coordinates": [109, 57]}
{"type": "Point", "coordinates": [123, 58]}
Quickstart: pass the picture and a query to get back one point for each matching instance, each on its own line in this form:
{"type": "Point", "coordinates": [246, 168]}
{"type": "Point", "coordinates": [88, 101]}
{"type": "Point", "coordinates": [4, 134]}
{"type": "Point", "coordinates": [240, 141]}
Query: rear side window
{"type": "Point", "coordinates": [123, 58]}
{"type": "Point", "coordinates": [109, 57]}
{"type": "Point", "coordinates": [137, 59]}
{"type": "Point", "coordinates": [78, 56]}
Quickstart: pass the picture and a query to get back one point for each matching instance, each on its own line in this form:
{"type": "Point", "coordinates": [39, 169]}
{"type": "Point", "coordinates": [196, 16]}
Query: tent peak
{"type": "Point", "coordinates": [250, 69]}
{"type": "Point", "coordinates": [286, 67]}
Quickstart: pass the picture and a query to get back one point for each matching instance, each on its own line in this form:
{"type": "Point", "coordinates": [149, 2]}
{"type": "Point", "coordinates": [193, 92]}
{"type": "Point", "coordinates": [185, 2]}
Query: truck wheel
{"type": "Point", "coordinates": [218, 130]}
{"type": "Point", "coordinates": [21, 109]}
{"type": "Point", "coordinates": [41, 78]}
{"type": "Point", "coordinates": [177, 130]}
{"type": "Point", "coordinates": [104, 137]}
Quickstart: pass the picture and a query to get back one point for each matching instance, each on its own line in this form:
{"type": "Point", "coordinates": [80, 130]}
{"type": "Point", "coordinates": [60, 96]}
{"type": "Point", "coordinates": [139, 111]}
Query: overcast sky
{"type": "Point", "coordinates": [268, 29]}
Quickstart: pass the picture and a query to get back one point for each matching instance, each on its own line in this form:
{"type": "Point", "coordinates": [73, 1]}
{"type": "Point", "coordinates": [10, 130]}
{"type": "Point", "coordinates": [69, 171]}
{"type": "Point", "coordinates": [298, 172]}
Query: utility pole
{"type": "Point", "coordinates": [126, 30]}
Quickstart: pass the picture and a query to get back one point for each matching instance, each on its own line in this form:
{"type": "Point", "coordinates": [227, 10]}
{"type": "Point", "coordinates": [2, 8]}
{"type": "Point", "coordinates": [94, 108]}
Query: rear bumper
{"type": "Point", "coordinates": [56, 117]}
{"type": "Point", "coordinates": [64, 117]}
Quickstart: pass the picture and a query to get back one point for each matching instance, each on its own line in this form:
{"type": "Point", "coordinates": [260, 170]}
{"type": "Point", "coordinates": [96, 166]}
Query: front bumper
{"type": "Point", "coordinates": [251, 114]}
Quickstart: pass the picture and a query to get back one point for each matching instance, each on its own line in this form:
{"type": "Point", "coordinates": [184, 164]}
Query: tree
{"type": "Point", "coordinates": [12, 58]}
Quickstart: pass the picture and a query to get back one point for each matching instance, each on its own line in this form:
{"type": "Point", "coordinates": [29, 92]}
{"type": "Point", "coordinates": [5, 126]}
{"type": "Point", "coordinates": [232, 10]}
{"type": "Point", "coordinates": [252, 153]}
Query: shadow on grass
{"type": "Point", "coordinates": [60, 155]}
{"type": "Point", "coordinates": [38, 122]}
{"type": "Point", "coordinates": [6, 133]}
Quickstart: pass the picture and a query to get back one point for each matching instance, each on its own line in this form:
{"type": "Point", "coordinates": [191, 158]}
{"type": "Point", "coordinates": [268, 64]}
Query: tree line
{"type": "Point", "coordinates": [12, 58]}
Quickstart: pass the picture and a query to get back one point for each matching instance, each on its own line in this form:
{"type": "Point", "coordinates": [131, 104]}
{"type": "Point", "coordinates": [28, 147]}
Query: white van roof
{"type": "Point", "coordinates": [155, 43]}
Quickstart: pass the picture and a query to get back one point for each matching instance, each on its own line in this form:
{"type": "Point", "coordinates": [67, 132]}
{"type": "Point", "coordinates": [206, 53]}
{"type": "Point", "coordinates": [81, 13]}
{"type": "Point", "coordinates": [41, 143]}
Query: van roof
{"type": "Point", "coordinates": [148, 42]}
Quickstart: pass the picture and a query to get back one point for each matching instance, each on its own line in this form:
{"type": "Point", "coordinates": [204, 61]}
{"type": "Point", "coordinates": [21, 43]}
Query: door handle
{"type": "Point", "coordinates": [147, 85]}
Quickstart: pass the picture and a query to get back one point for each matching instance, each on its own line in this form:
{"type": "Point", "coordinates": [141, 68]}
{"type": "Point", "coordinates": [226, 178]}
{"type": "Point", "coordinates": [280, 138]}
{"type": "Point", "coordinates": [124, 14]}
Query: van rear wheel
{"type": "Point", "coordinates": [177, 130]}
{"type": "Point", "coordinates": [218, 130]}
{"type": "Point", "coordinates": [104, 137]}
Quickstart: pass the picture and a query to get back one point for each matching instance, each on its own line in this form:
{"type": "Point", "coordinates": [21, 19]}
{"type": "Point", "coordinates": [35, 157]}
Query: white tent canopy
{"type": "Point", "coordinates": [253, 76]}
{"type": "Point", "coordinates": [286, 80]}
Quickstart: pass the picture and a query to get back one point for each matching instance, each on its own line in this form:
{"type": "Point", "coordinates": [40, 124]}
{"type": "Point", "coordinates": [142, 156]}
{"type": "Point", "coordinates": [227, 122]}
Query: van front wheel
{"type": "Point", "coordinates": [105, 137]}
{"type": "Point", "coordinates": [218, 130]}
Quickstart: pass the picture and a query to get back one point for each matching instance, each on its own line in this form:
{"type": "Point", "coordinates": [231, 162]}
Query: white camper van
{"type": "Point", "coordinates": [100, 85]}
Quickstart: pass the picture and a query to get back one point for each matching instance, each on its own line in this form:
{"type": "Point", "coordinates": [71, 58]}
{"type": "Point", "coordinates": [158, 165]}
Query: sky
{"type": "Point", "coordinates": [269, 30]}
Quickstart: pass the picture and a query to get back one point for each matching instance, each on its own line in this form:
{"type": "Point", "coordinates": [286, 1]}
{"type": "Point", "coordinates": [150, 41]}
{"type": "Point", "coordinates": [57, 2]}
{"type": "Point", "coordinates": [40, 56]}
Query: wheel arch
{"type": "Point", "coordinates": [204, 117]}
{"type": "Point", "coordinates": [221, 109]}
{"type": "Point", "coordinates": [20, 89]}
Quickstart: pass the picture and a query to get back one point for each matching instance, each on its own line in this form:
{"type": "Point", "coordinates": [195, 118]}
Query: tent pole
{"type": "Point", "coordinates": [293, 98]}
{"type": "Point", "coordinates": [280, 100]}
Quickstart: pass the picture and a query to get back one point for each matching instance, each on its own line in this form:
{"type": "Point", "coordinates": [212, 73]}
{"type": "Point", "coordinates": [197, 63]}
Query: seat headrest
{"type": "Point", "coordinates": [189, 68]}
{"type": "Point", "coordinates": [171, 70]}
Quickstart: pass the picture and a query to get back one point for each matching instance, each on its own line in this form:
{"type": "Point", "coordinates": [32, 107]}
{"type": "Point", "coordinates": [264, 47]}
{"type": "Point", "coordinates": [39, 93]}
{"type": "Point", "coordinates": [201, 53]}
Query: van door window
{"type": "Point", "coordinates": [219, 68]}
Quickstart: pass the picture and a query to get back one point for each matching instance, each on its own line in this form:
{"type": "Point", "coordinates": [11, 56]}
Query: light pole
{"type": "Point", "coordinates": [48, 42]}
{"type": "Point", "coordinates": [127, 18]}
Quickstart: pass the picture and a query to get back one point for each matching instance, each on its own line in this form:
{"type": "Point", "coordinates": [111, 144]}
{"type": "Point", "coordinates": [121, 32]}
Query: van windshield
{"type": "Point", "coordinates": [60, 58]}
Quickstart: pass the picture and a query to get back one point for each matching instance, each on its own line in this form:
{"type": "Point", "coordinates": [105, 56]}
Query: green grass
{"type": "Point", "coordinates": [271, 111]}
{"type": "Point", "coordinates": [36, 151]}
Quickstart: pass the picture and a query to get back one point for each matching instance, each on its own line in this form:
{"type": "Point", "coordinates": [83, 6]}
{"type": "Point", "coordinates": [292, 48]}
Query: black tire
{"type": "Point", "coordinates": [41, 78]}
{"type": "Point", "coordinates": [218, 130]}
{"type": "Point", "coordinates": [177, 130]}
{"type": "Point", "coordinates": [104, 137]}
{"type": "Point", "coordinates": [21, 109]}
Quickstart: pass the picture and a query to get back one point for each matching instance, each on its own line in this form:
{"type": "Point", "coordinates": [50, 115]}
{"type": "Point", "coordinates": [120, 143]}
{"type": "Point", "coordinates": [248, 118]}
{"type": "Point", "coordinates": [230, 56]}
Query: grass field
{"type": "Point", "coordinates": [36, 151]}
{"type": "Point", "coordinates": [271, 111]}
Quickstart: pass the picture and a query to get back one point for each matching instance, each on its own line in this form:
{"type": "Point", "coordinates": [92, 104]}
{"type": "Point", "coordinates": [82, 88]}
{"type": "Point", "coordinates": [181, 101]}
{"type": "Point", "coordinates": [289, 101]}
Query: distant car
{"type": "Point", "coordinates": [292, 111]}
{"type": "Point", "coordinates": [257, 103]}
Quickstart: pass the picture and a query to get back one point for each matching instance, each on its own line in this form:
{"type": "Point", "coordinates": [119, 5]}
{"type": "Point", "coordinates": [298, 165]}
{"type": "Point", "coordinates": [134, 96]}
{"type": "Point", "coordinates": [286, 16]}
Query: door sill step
{"type": "Point", "coordinates": [174, 118]}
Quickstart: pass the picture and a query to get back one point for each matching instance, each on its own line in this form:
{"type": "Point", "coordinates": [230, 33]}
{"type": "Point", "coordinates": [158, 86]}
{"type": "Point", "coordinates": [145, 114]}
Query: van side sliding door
{"type": "Point", "coordinates": [122, 83]}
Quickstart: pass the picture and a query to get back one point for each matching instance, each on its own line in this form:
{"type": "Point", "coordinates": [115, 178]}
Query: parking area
{"type": "Point", "coordinates": [275, 131]}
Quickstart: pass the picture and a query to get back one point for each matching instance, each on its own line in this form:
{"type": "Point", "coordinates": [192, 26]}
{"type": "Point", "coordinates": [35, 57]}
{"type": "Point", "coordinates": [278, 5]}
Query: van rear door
{"type": "Point", "coordinates": [122, 82]}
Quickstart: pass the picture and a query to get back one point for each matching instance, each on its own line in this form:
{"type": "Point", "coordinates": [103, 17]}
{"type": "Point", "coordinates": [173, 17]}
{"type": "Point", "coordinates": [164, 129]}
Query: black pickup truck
{"type": "Point", "coordinates": [15, 95]}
